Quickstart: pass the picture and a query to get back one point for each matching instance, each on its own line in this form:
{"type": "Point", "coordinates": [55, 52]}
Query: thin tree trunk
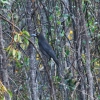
{"type": "Point", "coordinates": [3, 64]}
{"type": "Point", "coordinates": [32, 55]}
{"type": "Point", "coordinates": [88, 61]}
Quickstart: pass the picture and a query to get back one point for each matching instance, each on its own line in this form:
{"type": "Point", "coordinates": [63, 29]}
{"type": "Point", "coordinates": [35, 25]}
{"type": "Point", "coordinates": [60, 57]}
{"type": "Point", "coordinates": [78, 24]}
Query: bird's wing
{"type": "Point", "coordinates": [47, 50]}
{"type": "Point", "coordinates": [42, 50]}
{"type": "Point", "coordinates": [52, 54]}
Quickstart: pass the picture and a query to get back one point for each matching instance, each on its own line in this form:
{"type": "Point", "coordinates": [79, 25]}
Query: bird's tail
{"type": "Point", "coordinates": [56, 61]}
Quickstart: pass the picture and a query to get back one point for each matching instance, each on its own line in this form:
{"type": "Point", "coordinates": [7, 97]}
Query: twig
{"type": "Point", "coordinates": [2, 17]}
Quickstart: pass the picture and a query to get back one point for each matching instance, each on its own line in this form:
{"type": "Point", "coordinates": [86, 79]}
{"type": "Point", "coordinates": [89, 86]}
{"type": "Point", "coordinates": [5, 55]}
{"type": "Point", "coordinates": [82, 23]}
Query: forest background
{"type": "Point", "coordinates": [72, 28]}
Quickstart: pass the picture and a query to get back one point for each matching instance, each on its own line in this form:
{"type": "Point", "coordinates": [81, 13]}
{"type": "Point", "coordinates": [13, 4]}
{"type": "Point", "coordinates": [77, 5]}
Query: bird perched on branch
{"type": "Point", "coordinates": [46, 49]}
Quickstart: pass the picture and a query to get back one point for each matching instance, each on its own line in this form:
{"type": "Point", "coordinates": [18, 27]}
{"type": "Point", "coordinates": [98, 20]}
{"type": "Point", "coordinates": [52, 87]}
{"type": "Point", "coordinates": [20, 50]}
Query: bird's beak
{"type": "Point", "coordinates": [33, 35]}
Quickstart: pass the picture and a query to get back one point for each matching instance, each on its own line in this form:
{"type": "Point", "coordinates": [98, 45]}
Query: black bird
{"type": "Point", "coordinates": [46, 49]}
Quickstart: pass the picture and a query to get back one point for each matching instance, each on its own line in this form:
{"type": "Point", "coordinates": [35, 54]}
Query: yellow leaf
{"type": "Point", "coordinates": [41, 67]}
{"type": "Point", "coordinates": [2, 88]}
{"type": "Point", "coordinates": [71, 32]}
{"type": "Point", "coordinates": [14, 52]}
{"type": "Point", "coordinates": [69, 37]}
{"type": "Point", "coordinates": [19, 38]}
{"type": "Point", "coordinates": [37, 55]}
{"type": "Point", "coordinates": [21, 33]}
{"type": "Point", "coordinates": [8, 48]}
{"type": "Point", "coordinates": [37, 58]}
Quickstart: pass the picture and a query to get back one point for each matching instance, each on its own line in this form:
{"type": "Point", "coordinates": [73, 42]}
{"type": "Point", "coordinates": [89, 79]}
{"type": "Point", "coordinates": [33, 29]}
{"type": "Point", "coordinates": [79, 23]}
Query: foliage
{"type": "Point", "coordinates": [4, 90]}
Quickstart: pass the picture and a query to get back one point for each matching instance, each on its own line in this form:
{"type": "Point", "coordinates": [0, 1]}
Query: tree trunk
{"type": "Point", "coordinates": [87, 49]}
{"type": "Point", "coordinates": [3, 64]}
{"type": "Point", "coordinates": [32, 55]}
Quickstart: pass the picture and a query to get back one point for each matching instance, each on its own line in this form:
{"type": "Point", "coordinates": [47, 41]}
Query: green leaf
{"type": "Point", "coordinates": [2, 97]}
{"type": "Point", "coordinates": [10, 51]}
{"type": "Point", "coordinates": [67, 52]}
{"type": "Point", "coordinates": [18, 64]}
{"type": "Point", "coordinates": [57, 8]}
{"type": "Point", "coordinates": [26, 61]}
{"type": "Point", "coordinates": [26, 33]}
{"type": "Point", "coordinates": [58, 22]}
{"type": "Point", "coordinates": [26, 42]}
{"type": "Point", "coordinates": [8, 48]}
{"type": "Point", "coordinates": [94, 60]}
{"type": "Point", "coordinates": [18, 55]}
{"type": "Point", "coordinates": [10, 93]}
{"type": "Point", "coordinates": [62, 33]}
{"type": "Point", "coordinates": [22, 46]}
{"type": "Point", "coordinates": [16, 37]}
{"type": "Point", "coordinates": [58, 14]}
{"type": "Point", "coordinates": [5, 2]}
{"type": "Point", "coordinates": [51, 18]}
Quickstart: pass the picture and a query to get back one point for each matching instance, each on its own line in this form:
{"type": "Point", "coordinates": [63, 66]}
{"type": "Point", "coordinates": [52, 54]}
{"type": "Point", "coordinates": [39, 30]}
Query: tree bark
{"type": "Point", "coordinates": [3, 64]}
{"type": "Point", "coordinates": [32, 55]}
{"type": "Point", "coordinates": [87, 48]}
